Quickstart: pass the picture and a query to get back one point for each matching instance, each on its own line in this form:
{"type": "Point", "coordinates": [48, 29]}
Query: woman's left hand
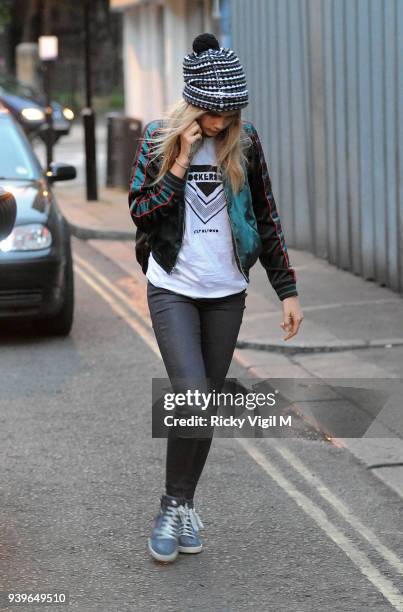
{"type": "Point", "coordinates": [292, 316]}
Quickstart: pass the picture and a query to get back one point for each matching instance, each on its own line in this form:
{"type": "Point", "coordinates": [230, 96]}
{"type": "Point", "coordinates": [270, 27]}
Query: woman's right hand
{"type": "Point", "coordinates": [190, 135]}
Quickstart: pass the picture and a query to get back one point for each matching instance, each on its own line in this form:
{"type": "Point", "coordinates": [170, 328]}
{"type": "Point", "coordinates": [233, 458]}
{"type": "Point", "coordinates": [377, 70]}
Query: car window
{"type": "Point", "coordinates": [16, 160]}
{"type": "Point", "coordinates": [17, 88]}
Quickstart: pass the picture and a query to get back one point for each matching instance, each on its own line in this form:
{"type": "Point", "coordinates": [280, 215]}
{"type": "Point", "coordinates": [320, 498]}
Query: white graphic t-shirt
{"type": "Point", "coordinates": [206, 265]}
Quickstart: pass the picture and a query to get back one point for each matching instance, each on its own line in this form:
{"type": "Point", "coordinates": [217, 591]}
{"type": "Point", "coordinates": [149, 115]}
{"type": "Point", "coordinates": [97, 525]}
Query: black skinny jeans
{"type": "Point", "coordinates": [196, 338]}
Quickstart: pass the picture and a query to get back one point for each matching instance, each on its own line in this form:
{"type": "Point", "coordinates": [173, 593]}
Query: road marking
{"type": "Point", "coordinates": [116, 307]}
{"type": "Point", "coordinates": [128, 301]}
{"type": "Point", "coordinates": [142, 327]}
{"type": "Point", "coordinates": [385, 586]}
{"type": "Point", "coordinates": [339, 506]}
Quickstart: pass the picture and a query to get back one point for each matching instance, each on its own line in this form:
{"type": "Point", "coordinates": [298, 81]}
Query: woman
{"type": "Point", "coordinates": [200, 196]}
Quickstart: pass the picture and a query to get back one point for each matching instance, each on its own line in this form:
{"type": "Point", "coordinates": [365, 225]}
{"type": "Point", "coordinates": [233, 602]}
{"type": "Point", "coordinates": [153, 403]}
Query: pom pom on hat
{"type": "Point", "coordinates": [203, 42]}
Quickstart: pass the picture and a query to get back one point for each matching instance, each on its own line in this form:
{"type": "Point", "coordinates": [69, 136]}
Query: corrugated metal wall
{"type": "Point", "coordinates": [325, 79]}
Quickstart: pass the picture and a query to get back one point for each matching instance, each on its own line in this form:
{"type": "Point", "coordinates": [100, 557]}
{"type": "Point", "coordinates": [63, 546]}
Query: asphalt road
{"type": "Point", "coordinates": [290, 525]}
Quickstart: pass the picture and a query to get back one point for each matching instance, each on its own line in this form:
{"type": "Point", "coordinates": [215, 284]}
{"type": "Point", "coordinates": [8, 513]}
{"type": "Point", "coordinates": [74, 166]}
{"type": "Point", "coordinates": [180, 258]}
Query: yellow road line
{"type": "Point", "coordinates": [121, 295]}
{"type": "Point", "coordinates": [339, 506]}
{"type": "Point", "coordinates": [315, 513]}
{"type": "Point", "coordinates": [141, 327]}
{"type": "Point", "coordinates": [135, 325]}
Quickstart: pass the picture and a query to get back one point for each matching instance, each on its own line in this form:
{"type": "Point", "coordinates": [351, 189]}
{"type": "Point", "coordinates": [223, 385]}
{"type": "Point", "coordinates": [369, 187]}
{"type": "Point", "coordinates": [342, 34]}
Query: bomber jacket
{"type": "Point", "coordinates": [158, 212]}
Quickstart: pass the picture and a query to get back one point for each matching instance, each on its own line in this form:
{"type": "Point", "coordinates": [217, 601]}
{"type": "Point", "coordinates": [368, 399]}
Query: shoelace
{"type": "Point", "coordinates": [191, 521]}
{"type": "Point", "coordinates": [169, 523]}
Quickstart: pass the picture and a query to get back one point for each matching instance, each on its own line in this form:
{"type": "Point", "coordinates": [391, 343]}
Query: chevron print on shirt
{"type": "Point", "coordinates": [203, 205]}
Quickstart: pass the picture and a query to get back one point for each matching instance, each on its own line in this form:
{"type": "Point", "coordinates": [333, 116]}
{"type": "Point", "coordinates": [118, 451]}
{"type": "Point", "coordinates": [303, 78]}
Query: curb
{"type": "Point", "coordinates": [87, 233]}
{"type": "Point", "coordinates": [319, 348]}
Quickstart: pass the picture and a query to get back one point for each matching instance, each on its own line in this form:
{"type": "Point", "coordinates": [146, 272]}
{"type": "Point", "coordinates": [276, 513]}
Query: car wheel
{"type": "Point", "coordinates": [60, 324]}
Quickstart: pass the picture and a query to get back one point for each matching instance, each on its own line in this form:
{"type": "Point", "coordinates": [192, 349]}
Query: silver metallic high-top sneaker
{"type": "Point", "coordinates": [163, 543]}
{"type": "Point", "coordinates": [189, 540]}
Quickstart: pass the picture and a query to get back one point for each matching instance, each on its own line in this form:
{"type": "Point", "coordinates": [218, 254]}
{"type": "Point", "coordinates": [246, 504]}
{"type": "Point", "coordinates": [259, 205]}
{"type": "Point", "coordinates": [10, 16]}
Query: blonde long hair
{"type": "Point", "coordinates": [231, 143]}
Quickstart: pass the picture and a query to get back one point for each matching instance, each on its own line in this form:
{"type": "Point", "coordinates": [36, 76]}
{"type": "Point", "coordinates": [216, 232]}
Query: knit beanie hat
{"type": "Point", "coordinates": [214, 77]}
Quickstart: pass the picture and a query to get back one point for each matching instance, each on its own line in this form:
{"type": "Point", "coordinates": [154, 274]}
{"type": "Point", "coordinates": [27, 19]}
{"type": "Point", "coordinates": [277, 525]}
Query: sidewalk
{"type": "Point", "coordinates": [352, 328]}
{"type": "Point", "coordinates": [341, 311]}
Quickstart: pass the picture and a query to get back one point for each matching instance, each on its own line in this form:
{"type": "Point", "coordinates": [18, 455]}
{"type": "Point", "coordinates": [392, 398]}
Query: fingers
{"type": "Point", "coordinates": [194, 128]}
{"type": "Point", "coordinates": [194, 132]}
{"type": "Point", "coordinates": [292, 324]}
{"type": "Point", "coordinates": [288, 319]}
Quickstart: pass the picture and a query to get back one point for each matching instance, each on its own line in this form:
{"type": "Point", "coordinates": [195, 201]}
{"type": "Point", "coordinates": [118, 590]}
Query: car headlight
{"type": "Point", "coordinates": [68, 114]}
{"type": "Point", "coordinates": [33, 237]}
{"type": "Point", "coordinates": [33, 114]}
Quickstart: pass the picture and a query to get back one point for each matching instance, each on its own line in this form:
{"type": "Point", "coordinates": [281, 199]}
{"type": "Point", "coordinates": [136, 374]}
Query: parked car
{"type": "Point", "coordinates": [28, 107]}
{"type": "Point", "coordinates": [36, 271]}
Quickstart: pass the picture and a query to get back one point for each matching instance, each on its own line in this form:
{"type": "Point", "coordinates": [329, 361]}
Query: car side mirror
{"type": "Point", "coordinates": [60, 172]}
{"type": "Point", "coordinates": [8, 213]}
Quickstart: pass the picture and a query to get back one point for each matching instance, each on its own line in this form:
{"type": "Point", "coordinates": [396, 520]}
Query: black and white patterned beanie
{"type": "Point", "coordinates": [214, 77]}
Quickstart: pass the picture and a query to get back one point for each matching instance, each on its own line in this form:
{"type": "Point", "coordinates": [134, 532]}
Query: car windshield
{"type": "Point", "coordinates": [16, 160]}
{"type": "Point", "coordinates": [17, 88]}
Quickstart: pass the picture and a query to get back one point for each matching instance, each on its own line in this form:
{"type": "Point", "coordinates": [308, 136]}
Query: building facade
{"type": "Point", "coordinates": [157, 34]}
